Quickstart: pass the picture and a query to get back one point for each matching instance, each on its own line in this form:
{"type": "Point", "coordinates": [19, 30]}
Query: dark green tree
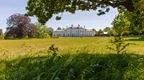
{"type": "Point", "coordinates": [45, 9]}
{"type": "Point", "coordinates": [107, 29]}
{"type": "Point", "coordinates": [1, 34]}
{"type": "Point", "coordinates": [136, 18]}
{"type": "Point", "coordinates": [137, 22]}
{"type": "Point", "coordinates": [100, 32]}
{"type": "Point", "coordinates": [50, 31]}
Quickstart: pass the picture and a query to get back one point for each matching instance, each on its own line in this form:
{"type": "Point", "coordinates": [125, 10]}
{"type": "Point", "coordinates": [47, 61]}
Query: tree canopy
{"type": "Point", "coordinates": [45, 9]}
{"type": "Point", "coordinates": [19, 26]}
{"type": "Point", "coordinates": [136, 18]}
{"type": "Point", "coordinates": [121, 24]}
{"type": "Point", "coordinates": [41, 31]}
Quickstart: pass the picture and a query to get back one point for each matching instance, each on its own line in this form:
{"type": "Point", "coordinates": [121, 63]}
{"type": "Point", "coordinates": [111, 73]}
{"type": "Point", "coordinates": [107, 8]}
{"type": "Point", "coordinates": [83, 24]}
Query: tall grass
{"type": "Point", "coordinates": [78, 66]}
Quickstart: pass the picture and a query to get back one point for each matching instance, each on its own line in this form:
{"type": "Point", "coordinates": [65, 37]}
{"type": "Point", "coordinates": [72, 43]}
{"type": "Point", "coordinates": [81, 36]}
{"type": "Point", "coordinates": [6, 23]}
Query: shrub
{"type": "Point", "coordinates": [41, 31]}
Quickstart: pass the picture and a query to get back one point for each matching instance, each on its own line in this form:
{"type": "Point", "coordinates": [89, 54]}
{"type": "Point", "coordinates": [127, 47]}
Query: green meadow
{"type": "Point", "coordinates": [85, 58]}
{"type": "Point", "coordinates": [92, 44]}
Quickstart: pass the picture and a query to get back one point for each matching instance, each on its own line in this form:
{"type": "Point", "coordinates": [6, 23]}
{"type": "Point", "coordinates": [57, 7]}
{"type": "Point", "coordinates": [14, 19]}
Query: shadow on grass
{"type": "Point", "coordinates": [136, 39]}
{"type": "Point", "coordinates": [77, 67]}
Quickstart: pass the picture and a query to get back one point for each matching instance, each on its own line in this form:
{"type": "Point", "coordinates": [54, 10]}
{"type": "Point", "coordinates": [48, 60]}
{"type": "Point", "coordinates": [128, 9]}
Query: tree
{"type": "Point", "coordinates": [41, 31]}
{"type": "Point", "coordinates": [1, 34]}
{"type": "Point", "coordinates": [45, 9]}
{"type": "Point", "coordinates": [137, 21]}
{"type": "Point", "coordinates": [100, 32]}
{"type": "Point", "coordinates": [107, 29]}
{"type": "Point", "coordinates": [50, 31]}
{"type": "Point", "coordinates": [31, 30]}
{"type": "Point", "coordinates": [120, 24]}
{"type": "Point", "coordinates": [19, 26]}
{"type": "Point", "coordinates": [136, 18]}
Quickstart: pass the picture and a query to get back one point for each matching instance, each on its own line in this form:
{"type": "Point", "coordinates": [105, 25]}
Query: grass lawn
{"type": "Point", "coordinates": [91, 44]}
{"type": "Point", "coordinates": [71, 66]}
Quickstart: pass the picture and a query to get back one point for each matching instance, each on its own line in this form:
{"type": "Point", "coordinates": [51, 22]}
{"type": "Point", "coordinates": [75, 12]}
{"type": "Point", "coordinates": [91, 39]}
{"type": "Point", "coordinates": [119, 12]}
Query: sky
{"type": "Point", "coordinates": [89, 19]}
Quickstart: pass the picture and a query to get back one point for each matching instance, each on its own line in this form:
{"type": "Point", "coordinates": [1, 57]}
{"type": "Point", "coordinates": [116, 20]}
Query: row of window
{"type": "Point", "coordinates": [90, 34]}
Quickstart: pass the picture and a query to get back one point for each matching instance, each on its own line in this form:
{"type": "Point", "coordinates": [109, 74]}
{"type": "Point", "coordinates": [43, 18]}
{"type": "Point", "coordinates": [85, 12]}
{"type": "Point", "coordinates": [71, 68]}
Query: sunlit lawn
{"type": "Point", "coordinates": [90, 44]}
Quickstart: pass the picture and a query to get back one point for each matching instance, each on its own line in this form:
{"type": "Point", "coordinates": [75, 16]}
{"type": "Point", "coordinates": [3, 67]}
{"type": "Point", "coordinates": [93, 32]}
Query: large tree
{"type": "Point", "coordinates": [136, 18]}
{"type": "Point", "coordinates": [19, 26]}
{"type": "Point", "coordinates": [45, 9]}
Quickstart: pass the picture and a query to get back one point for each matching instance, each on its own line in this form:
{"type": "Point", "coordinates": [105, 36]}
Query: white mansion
{"type": "Point", "coordinates": [74, 32]}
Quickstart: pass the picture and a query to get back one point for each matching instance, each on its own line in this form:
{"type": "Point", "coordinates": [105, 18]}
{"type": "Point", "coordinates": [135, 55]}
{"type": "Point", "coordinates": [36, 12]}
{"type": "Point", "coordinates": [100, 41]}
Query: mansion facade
{"type": "Point", "coordinates": [74, 32]}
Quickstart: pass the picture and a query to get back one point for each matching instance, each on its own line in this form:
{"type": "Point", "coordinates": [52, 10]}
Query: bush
{"type": "Point", "coordinates": [41, 31]}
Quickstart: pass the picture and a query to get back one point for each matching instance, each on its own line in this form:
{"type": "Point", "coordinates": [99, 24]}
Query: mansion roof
{"type": "Point", "coordinates": [71, 28]}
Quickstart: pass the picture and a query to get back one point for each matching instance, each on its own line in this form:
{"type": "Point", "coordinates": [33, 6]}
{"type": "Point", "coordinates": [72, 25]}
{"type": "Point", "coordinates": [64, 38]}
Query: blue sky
{"type": "Point", "coordinates": [89, 19]}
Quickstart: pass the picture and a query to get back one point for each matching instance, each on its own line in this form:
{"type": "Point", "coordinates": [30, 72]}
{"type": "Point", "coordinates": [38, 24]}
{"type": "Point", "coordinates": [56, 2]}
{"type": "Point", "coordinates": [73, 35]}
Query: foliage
{"type": "Point", "coordinates": [41, 31]}
{"type": "Point", "coordinates": [1, 34]}
{"type": "Point", "coordinates": [136, 18]}
{"type": "Point", "coordinates": [119, 45]}
{"type": "Point", "coordinates": [137, 22]}
{"type": "Point", "coordinates": [120, 25]}
{"type": "Point", "coordinates": [107, 29]}
{"type": "Point", "coordinates": [19, 26]}
{"type": "Point", "coordinates": [45, 9]}
{"type": "Point", "coordinates": [100, 32]}
{"type": "Point", "coordinates": [76, 67]}
{"type": "Point", "coordinates": [52, 49]}
{"type": "Point", "coordinates": [50, 31]}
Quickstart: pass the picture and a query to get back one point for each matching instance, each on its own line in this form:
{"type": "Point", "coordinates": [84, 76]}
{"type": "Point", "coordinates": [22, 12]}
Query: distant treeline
{"type": "Point", "coordinates": [109, 31]}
